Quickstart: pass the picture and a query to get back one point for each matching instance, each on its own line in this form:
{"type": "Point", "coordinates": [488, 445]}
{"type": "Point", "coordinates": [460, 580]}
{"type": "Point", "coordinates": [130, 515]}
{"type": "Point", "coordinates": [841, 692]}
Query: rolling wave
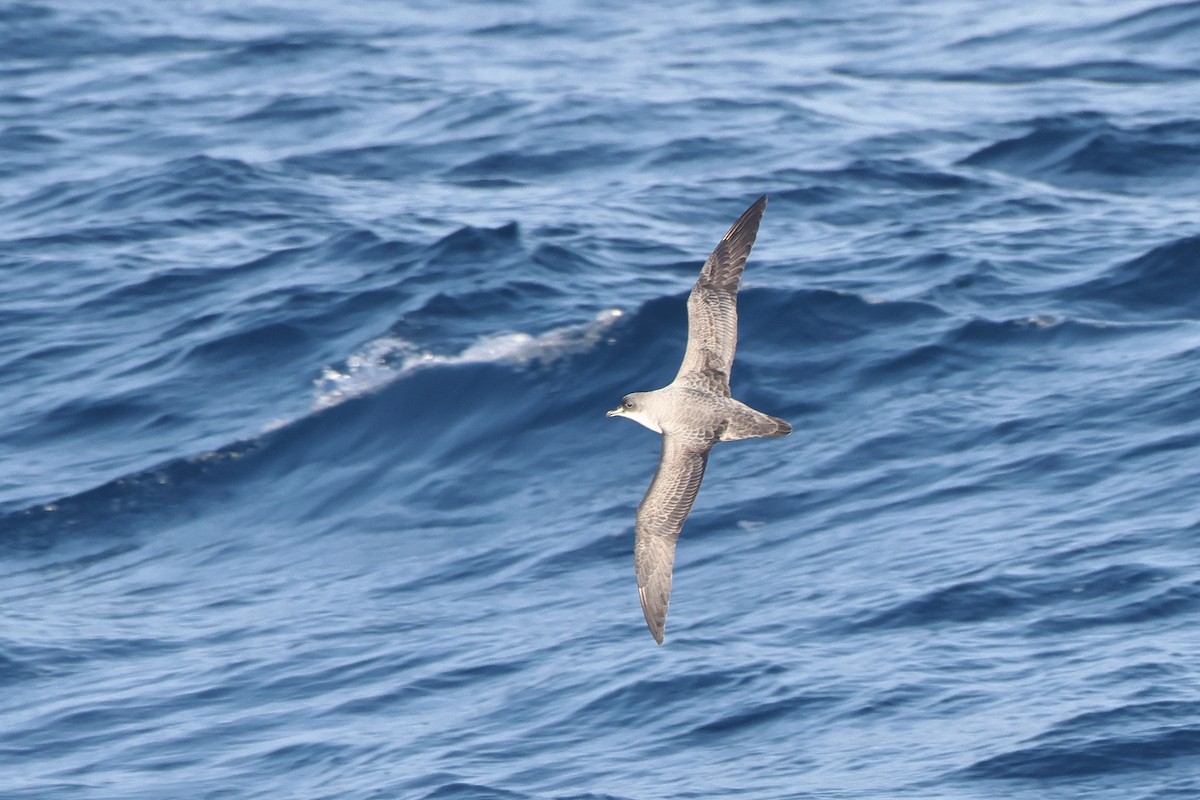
{"type": "Point", "coordinates": [1086, 151]}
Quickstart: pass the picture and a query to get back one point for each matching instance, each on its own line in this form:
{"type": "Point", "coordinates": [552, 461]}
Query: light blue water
{"type": "Point", "coordinates": [312, 312]}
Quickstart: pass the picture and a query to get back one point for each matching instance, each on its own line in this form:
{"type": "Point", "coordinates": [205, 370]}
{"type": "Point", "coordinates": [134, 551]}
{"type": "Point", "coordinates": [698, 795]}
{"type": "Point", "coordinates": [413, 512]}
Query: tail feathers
{"type": "Point", "coordinates": [779, 427]}
{"type": "Point", "coordinates": [751, 424]}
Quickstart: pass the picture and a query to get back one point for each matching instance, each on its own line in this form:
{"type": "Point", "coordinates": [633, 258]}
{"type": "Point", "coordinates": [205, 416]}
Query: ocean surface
{"type": "Point", "coordinates": [311, 313]}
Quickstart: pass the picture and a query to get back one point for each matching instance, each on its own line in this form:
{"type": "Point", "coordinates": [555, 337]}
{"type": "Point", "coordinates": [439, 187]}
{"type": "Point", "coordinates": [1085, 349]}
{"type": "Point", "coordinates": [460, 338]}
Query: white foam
{"type": "Point", "coordinates": [389, 358]}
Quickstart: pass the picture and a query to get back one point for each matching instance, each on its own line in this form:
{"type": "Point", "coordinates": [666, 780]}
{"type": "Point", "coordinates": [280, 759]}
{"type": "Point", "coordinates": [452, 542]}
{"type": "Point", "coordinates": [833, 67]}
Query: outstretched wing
{"type": "Point", "coordinates": [712, 307]}
{"type": "Point", "coordinates": [659, 519]}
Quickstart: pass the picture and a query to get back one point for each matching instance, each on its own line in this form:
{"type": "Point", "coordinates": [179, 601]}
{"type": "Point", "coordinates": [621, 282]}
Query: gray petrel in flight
{"type": "Point", "coordinates": [693, 413]}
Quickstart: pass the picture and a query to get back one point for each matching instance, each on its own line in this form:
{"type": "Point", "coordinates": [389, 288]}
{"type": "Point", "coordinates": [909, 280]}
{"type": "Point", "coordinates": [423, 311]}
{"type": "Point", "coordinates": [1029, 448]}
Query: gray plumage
{"type": "Point", "coordinates": [693, 413]}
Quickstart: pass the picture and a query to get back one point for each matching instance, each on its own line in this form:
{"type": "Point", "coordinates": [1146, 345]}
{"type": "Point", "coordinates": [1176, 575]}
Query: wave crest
{"type": "Point", "coordinates": [389, 358]}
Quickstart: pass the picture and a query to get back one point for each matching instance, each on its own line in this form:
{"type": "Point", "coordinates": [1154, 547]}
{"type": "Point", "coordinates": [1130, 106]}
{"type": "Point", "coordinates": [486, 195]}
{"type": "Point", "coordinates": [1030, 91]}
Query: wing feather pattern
{"type": "Point", "coordinates": [712, 307]}
{"type": "Point", "coordinates": [660, 517]}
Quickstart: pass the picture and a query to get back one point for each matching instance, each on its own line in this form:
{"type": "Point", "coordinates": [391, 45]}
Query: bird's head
{"type": "Point", "coordinates": [633, 406]}
{"type": "Point", "coordinates": [628, 403]}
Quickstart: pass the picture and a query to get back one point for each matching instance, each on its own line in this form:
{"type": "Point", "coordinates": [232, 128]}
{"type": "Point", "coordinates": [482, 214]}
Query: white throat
{"type": "Point", "coordinates": [641, 418]}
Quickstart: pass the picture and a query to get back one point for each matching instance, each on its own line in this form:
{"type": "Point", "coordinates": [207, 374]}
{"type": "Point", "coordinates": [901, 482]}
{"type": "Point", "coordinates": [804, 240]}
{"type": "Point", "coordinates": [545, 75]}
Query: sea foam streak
{"type": "Point", "coordinates": [389, 358]}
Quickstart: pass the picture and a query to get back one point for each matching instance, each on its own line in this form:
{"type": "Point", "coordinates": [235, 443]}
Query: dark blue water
{"type": "Point", "coordinates": [312, 311]}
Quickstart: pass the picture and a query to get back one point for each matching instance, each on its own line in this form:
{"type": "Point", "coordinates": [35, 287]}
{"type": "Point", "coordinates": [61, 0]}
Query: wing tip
{"type": "Point", "coordinates": [723, 269]}
{"type": "Point", "coordinates": [750, 217]}
{"type": "Point", "coordinates": [656, 620]}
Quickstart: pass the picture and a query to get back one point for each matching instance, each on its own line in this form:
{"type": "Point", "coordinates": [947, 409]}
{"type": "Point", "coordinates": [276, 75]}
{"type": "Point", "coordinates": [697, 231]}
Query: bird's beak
{"type": "Point", "coordinates": [616, 412]}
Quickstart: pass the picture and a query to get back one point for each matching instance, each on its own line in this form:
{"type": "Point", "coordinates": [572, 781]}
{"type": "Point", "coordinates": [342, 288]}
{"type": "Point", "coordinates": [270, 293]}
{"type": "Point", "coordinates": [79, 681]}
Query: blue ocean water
{"type": "Point", "coordinates": [312, 312]}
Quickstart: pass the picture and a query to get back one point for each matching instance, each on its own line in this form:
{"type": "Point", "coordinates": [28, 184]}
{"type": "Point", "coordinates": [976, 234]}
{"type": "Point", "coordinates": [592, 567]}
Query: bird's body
{"type": "Point", "coordinates": [693, 413]}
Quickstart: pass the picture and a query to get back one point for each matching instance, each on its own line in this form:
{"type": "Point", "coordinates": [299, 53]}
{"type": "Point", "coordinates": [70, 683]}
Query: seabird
{"type": "Point", "coordinates": [693, 413]}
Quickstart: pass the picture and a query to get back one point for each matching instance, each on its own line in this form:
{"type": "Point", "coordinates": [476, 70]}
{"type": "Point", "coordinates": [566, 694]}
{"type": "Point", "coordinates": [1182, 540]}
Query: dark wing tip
{"type": "Point", "coordinates": [656, 616]}
{"type": "Point", "coordinates": [724, 266]}
{"type": "Point", "coordinates": [747, 223]}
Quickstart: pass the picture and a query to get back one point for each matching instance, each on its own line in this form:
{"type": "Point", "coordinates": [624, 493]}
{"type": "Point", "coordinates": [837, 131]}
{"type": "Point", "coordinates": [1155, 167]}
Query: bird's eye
{"type": "Point", "coordinates": [628, 404]}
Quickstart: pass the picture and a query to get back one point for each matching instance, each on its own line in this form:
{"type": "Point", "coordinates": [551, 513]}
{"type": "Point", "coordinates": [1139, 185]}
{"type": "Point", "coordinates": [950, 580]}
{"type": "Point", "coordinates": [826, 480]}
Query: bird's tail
{"type": "Point", "coordinates": [746, 423]}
